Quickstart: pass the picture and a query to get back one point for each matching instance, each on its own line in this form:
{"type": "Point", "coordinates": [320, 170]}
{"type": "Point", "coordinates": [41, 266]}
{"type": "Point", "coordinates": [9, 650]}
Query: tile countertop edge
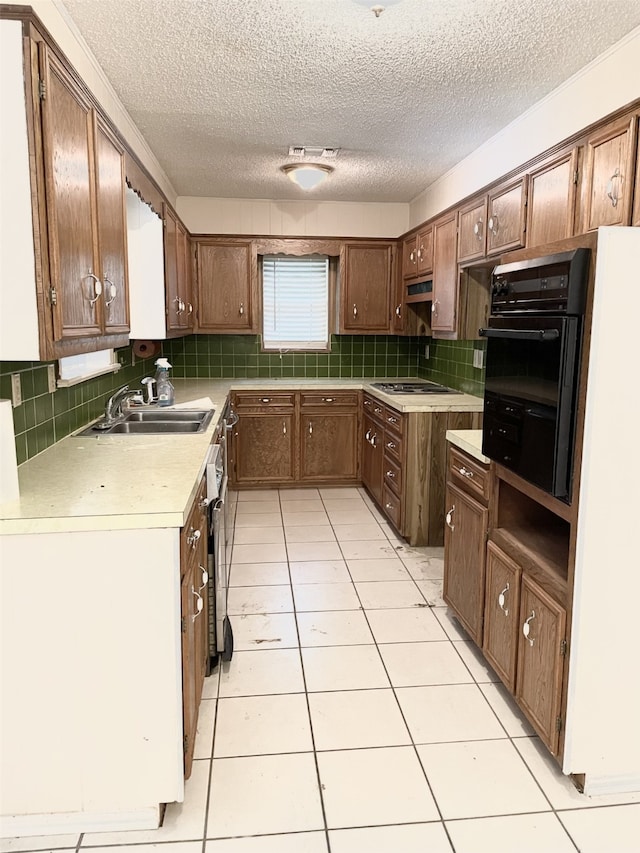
{"type": "Point", "coordinates": [469, 440]}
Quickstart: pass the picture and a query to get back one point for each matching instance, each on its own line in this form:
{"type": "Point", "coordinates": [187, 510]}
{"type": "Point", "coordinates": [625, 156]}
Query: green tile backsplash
{"type": "Point", "coordinates": [44, 418]}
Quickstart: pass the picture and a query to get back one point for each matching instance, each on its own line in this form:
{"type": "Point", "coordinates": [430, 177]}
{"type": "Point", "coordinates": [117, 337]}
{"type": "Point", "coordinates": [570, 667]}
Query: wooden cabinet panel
{"type": "Point", "coordinates": [189, 705]}
{"type": "Point", "coordinates": [224, 287]}
{"type": "Point", "coordinates": [424, 251]}
{"type": "Point", "coordinates": [112, 229]}
{"type": "Point", "coordinates": [329, 443]}
{"type": "Point", "coordinates": [464, 558]}
{"type": "Point", "coordinates": [540, 660]}
{"type": "Point", "coordinates": [609, 174]}
{"type": "Point", "coordinates": [552, 200]}
{"type": "Point", "coordinates": [501, 614]}
{"type": "Point", "coordinates": [472, 231]}
{"type": "Point", "coordinates": [184, 278]}
{"type": "Point", "coordinates": [172, 293]}
{"type": "Point", "coordinates": [409, 257]}
{"type": "Point", "coordinates": [635, 219]}
{"type": "Point", "coordinates": [366, 287]}
{"type": "Point", "coordinates": [507, 217]}
{"type": "Point", "coordinates": [392, 506]}
{"type": "Point", "coordinates": [264, 448]}
{"type": "Point", "coordinates": [372, 456]}
{"type": "Point", "coordinates": [330, 399]}
{"type": "Point", "coordinates": [67, 125]}
{"type": "Point", "coordinates": [445, 276]}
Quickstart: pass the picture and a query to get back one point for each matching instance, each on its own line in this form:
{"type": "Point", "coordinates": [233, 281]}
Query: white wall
{"type": "Point", "coordinates": [292, 218]}
{"type": "Point", "coordinates": [56, 19]}
{"type": "Point", "coordinates": [611, 81]}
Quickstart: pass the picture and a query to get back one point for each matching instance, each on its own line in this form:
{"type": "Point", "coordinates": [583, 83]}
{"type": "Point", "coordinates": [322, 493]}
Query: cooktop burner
{"type": "Point", "coordinates": [413, 388]}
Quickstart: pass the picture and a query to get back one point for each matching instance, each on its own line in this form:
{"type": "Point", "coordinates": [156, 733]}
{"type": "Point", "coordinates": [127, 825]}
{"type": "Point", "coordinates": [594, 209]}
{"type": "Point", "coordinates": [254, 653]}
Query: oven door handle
{"type": "Point", "coordinates": [521, 334]}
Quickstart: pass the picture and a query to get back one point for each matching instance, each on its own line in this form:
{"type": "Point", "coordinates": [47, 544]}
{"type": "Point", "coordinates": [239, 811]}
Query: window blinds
{"type": "Point", "coordinates": [295, 296]}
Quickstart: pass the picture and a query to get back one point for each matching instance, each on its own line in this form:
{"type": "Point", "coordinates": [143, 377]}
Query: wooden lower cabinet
{"type": "Point", "coordinates": [541, 650]}
{"type": "Point", "coordinates": [464, 553]}
{"type": "Point", "coordinates": [501, 614]}
{"type": "Point", "coordinates": [328, 445]}
{"type": "Point", "coordinates": [264, 447]}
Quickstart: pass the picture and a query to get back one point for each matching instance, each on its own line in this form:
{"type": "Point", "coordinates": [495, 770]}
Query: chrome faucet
{"type": "Point", "coordinates": [113, 407]}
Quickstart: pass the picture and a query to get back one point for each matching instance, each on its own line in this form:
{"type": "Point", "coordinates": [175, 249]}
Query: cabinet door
{"type": "Point", "coordinates": [184, 279]}
{"type": "Point", "coordinates": [635, 220]}
{"type": "Point", "coordinates": [409, 258]}
{"type": "Point", "coordinates": [609, 174]}
{"type": "Point", "coordinates": [464, 559]}
{"type": "Point", "coordinates": [507, 217]}
{"type": "Point", "coordinates": [189, 701]}
{"type": "Point", "coordinates": [224, 287]}
{"type": "Point", "coordinates": [424, 251]}
{"type": "Point", "coordinates": [551, 204]}
{"type": "Point", "coordinates": [366, 285]}
{"type": "Point", "coordinates": [501, 614]}
{"type": "Point", "coordinates": [372, 457]}
{"type": "Point", "coordinates": [445, 276]}
{"type": "Point", "coordinates": [67, 129]}
{"type": "Point", "coordinates": [329, 444]}
{"type": "Point", "coordinates": [472, 231]}
{"type": "Point", "coordinates": [174, 305]}
{"type": "Point", "coordinates": [264, 448]}
{"type": "Point", "coordinates": [540, 660]}
{"type": "Point", "coordinates": [112, 229]}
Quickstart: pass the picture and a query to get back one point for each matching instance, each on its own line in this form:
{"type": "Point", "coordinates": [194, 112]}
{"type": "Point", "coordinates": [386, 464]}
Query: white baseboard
{"type": "Point", "coordinates": [68, 822]}
{"type": "Point", "coordinates": [596, 786]}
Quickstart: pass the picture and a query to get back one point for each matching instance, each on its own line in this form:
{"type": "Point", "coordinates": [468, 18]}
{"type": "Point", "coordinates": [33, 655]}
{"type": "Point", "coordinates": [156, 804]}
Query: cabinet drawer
{"type": "Point", "coordinates": [374, 408]}
{"type": "Point", "coordinates": [263, 401]}
{"type": "Point", "coordinates": [393, 446]}
{"type": "Point", "coordinates": [329, 399]}
{"type": "Point", "coordinates": [469, 474]}
{"type": "Point", "coordinates": [392, 473]}
{"type": "Point", "coordinates": [394, 420]}
{"type": "Point", "coordinates": [392, 506]}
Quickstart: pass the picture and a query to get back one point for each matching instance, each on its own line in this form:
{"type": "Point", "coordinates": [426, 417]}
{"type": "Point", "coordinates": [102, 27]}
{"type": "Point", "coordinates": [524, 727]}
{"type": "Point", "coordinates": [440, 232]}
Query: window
{"type": "Point", "coordinates": [295, 302]}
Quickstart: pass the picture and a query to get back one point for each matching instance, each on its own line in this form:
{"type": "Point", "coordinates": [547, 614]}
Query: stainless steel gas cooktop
{"type": "Point", "coordinates": [413, 388]}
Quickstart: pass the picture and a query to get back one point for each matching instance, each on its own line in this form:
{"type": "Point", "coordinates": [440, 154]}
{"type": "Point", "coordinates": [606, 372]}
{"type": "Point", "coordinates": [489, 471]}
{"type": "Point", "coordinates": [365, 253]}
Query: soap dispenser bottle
{"type": "Point", "coordinates": [164, 389]}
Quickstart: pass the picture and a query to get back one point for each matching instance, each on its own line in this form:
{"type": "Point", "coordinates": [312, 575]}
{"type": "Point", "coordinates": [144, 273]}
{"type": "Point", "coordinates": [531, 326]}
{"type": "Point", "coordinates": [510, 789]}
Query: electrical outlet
{"type": "Point", "coordinates": [478, 358]}
{"type": "Point", "coordinates": [16, 390]}
{"type": "Point", "coordinates": [51, 377]}
{"type": "Point", "coordinates": [426, 350]}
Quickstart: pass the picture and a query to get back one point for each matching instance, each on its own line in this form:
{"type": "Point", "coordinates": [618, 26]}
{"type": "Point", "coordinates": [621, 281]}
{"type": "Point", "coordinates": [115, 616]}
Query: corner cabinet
{"type": "Point", "coordinates": [366, 271]}
{"type": "Point", "coordinates": [226, 286]}
{"type": "Point", "coordinates": [74, 171]}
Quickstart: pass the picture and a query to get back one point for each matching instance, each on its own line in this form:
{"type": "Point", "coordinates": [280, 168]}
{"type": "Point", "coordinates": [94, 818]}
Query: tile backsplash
{"type": "Point", "coordinates": [45, 417]}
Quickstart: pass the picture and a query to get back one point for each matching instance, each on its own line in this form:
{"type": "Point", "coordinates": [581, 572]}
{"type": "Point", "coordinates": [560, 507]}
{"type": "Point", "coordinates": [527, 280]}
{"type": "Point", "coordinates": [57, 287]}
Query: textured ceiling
{"type": "Point", "coordinates": [221, 88]}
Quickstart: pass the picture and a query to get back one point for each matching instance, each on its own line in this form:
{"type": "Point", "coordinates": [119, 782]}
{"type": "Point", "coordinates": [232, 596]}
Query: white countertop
{"type": "Point", "coordinates": [469, 440]}
{"type": "Point", "coordinates": [126, 482]}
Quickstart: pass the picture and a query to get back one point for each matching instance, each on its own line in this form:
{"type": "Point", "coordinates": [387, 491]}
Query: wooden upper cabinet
{"type": "Point", "coordinates": [424, 251]}
{"type": "Point", "coordinates": [608, 181]}
{"type": "Point", "coordinates": [366, 287]}
{"type": "Point", "coordinates": [410, 257]}
{"type": "Point", "coordinates": [184, 277]}
{"type": "Point", "coordinates": [224, 273]}
{"type": "Point", "coordinates": [635, 219]}
{"type": "Point", "coordinates": [445, 275]}
{"type": "Point", "coordinates": [112, 229]}
{"type": "Point", "coordinates": [67, 130]}
{"type": "Point", "coordinates": [472, 231]}
{"type": "Point", "coordinates": [506, 217]}
{"type": "Point", "coordinates": [551, 203]}
{"type": "Point", "coordinates": [540, 660]}
{"type": "Point", "coordinates": [173, 303]}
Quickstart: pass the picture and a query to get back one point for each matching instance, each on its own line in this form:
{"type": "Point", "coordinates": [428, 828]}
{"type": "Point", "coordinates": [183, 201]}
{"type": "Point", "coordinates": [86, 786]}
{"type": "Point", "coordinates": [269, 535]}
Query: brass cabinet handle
{"type": "Point", "coordinates": [328, 399]}
{"type": "Point", "coordinates": [392, 420]}
{"type": "Point", "coordinates": [97, 287]}
{"type": "Point", "coordinates": [494, 224]}
{"type": "Point", "coordinates": [355, 310]}
{"type": "Point", "coordinates": [284, 427]}
{"type": "Point", "coordinates": [391, 475]}
{"type": "Point", "coordinates": [526, 628]}
{"type": "Point", "coordinates": [205, 577]}
{"type": "Point", "coordinates": [391, 445]}
{"type": "Point", "coordinates": [310, 428]}
{"type": "Point", "coordinates": [611, 188]}
{"type": "Point", "coordinates": [449, 516]}
{"type": "Point", "coordinates": [113, 291]}
{"type": "Point", "coordinates": [477, 229]}
{"type": "Point", "coordinates": [193, 537]}
{"type": "Point", "coordinates": [465, 473]}
{"type": "Point", "coordinates": [265, 399]}
{"type": "Point", "coordinates": [501, 600]}
{"type": "Point", "coordinates": [399, 311]}
{"type": "Point", "coordinates": [199, 604]}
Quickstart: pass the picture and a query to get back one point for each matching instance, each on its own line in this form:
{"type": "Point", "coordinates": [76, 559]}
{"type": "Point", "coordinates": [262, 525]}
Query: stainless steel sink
{"type": "Point", "coordinates": [155, 422]}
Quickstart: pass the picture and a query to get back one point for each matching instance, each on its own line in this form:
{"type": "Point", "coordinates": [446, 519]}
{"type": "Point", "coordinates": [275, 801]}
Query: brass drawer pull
{"type": "Point", "coordinates": [526, 628]}
{"type": "Point", "coordinates": [465, 473]}
{"type": "Point", "coordinates": [193, 537]}
{"type": "Point", "coordinates": [501, 600]}
{"type": "Point", "coordinates": [449, 517]}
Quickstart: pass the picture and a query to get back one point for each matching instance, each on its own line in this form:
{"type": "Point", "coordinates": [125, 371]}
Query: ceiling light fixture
{"type": "Point", "coordinates": [307, 175]}
{"type": "Point", "coordinates": [377, 8]}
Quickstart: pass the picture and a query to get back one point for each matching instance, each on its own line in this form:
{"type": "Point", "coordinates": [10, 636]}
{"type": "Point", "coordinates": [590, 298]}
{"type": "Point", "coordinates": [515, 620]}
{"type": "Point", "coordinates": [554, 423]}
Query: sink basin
{"type": "Point", "coordinates": [156, 422]}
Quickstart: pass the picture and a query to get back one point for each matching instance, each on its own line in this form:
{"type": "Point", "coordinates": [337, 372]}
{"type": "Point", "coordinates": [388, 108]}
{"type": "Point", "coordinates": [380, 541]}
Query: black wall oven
{"type": "Point", "coordinates": [534, 339]}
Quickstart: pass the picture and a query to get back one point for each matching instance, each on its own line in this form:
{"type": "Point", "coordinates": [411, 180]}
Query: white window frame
{"type": "Point", "coordinates": [280, 345]}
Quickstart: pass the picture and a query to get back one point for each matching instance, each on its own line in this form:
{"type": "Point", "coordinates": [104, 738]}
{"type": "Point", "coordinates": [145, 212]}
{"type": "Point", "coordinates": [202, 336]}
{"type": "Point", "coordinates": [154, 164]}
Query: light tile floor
{"type": "Point", "coordinates": [355, 716]}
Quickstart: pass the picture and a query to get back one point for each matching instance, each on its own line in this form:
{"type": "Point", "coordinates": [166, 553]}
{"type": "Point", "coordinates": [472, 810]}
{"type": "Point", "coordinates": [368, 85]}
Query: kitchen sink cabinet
{"type": "Point", "coordinates": [225, 276]}
{"type": "Point", "coordinates": [465, 537]}
{"type": "Point", "coordinates": [506, 213]}
{"type": "Point", "coordinates": [551, 205]}
{"type": "Point", "coordinates": [264, 446]}
{"type": "Point", "coordinates": [472, 230]}
{"type": "Point", "coordinates": [366, 272]}
{"type": "Point", "coordinates": [70, 240]}
{"type": "Point", "coordinates": [608, 178]}
{"type": "Point", "coordinates": [445, 276]}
